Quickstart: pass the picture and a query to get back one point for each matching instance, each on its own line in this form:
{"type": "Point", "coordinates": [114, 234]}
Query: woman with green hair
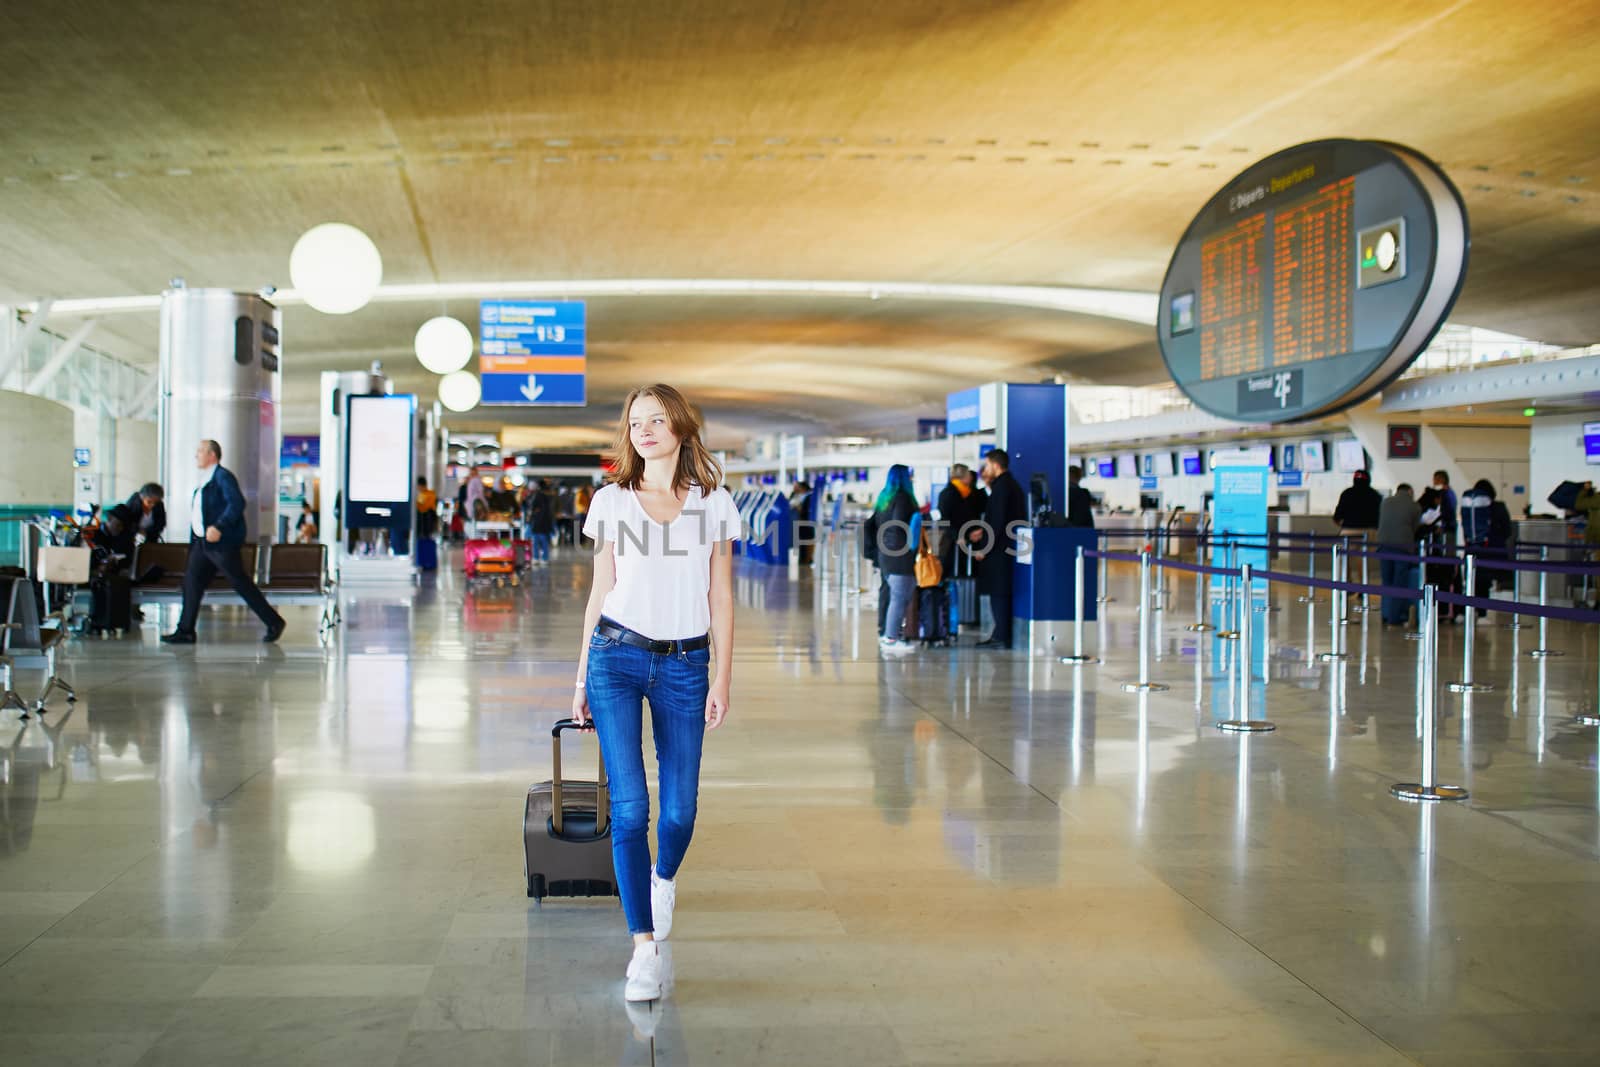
{"type": "Point", "coordinates": [893, 533]}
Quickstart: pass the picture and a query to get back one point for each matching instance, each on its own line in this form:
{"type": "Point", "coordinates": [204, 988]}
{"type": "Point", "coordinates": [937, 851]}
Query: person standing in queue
{"type": "Point", "coordinates": [1399, 519]}
{"type": "Point", "coordinates": [216, 527]}
{"type": "Point", "coordinates": [893, 531]}
{"type": "Point", "coordinates": [1080, 505]}
{"type": "Point", "coordinates": [997, 544]}
{"type": "Point", "coordinates": [1486, 528]}
{"type": "Point", "coordinates": [1357, 510]}
{"type": "Point", "coordinates": [955, 511]}
{"type": "Point", "coordinates": [661, 604]}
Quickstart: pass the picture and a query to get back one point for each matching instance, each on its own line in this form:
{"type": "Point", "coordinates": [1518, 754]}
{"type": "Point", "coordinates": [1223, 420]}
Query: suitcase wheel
{"type": "Point", "coordinates": [536, 886]}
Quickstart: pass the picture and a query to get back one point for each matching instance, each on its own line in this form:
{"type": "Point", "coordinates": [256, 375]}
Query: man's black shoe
{"type": "Point", "coordinates": [274, 632]}
{"type": "Point", "coordinates": [992, 643]}
{"type": "Point", "coordinates": [177, 637]}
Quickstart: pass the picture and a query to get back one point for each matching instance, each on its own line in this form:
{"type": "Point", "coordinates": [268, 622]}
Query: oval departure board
{"type": "Point", "coordinates": [1312, 280]}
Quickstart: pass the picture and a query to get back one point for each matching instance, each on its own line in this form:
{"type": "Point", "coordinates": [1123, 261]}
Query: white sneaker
{"type": "Point", "coordinates": [644, 974]}
{"type": "Point", "coordinates": [900, 648]}
{"type": "Point", "coordinates": [884, 640]}
{"type": "Point", "coordinates": [663, 898]}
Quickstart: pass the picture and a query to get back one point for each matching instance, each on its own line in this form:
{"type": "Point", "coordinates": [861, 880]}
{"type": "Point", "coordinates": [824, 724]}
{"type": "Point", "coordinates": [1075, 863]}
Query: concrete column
{"type": "Point", "coordinates": [41, 431]}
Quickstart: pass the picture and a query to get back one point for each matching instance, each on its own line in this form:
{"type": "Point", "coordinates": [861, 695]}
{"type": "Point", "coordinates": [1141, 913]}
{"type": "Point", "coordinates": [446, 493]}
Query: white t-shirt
{"type": "Point", "coordinates": [663, 572]}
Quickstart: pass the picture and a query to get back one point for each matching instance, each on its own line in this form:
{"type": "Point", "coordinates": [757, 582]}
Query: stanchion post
{"type": "Point", "coordinates": [1363, 607]}
{"type": "Point", "coordinates": [1230, 607]}
{"type": "Point", "coordinates": [1420, 633]}
{"type": "Point", "coordinates": [1336, 638]}
{"type": "Point", "coordinates": [1144, 684]}
{"type": "Point", "coordinates": [1105, 596]}
{"type": "Point", "coordinates": [1202, 588]}
{"type": "Point", "coordinates": [1078, 657]}
{"type": "Point", "coordinates": [1429, 788]}
{"type": "Point", "coordinates": [1242, 723]}
{"type": "Point", "coordinates": [1592, 717]}
{"type": "Point", "coordinates": [1544, 650]}
{"type": "Point", "coordinates": [1310, 596]}
{"type": "Point", "coordinates": [1466, 684]}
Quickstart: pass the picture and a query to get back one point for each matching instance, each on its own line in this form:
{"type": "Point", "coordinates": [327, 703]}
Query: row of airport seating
{"type": "Point", "coordinates": [287, 574]}
{"type": "Point", "coordinates": [26, 642]}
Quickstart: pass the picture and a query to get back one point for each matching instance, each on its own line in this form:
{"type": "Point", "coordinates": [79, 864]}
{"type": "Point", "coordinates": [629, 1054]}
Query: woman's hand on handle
{"type": "Point", "coordinates": [716, 705]}
{"type": "Point", "coordinates": [580, 709]}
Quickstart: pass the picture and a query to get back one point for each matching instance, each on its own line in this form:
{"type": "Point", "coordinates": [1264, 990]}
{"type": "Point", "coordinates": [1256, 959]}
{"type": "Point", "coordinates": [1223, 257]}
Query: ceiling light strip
{"type": "Point", "coordinates": [1119, 304]}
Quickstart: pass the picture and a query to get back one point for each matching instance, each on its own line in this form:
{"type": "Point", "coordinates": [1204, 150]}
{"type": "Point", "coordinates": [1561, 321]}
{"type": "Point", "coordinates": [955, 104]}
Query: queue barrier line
{"type": "Point", "coordinates": [1427, 788]}
{"type": "Point", "coordinates": [1487, 560]}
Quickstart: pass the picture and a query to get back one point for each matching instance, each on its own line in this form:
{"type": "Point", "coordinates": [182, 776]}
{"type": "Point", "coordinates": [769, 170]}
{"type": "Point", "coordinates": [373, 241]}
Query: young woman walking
{"type": "Point", "coordinates": [661, 604]}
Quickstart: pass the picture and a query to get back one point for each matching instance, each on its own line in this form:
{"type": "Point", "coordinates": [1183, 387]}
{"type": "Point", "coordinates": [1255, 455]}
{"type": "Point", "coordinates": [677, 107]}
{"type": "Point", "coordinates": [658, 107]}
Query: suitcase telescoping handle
{"type": "Point", "coordinates": [602, 807]}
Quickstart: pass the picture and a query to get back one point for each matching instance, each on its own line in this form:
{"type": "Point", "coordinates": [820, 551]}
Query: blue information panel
{"type": "Point", "coordinates": [534, 352]}
{"type": "Point", "coordinates": [532, 327]}
{"type": "Point", "coordinates": [1240, 508]}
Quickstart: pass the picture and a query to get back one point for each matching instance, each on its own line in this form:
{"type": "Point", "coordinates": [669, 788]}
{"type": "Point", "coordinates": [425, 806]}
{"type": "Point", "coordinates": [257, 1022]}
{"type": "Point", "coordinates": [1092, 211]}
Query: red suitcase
{"type": "Point", "coordinates": [491, 559]}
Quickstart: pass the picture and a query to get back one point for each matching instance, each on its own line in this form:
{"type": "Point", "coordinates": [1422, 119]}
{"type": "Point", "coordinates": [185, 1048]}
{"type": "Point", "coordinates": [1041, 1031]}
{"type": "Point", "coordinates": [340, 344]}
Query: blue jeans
{"type": "Point", "coordinates": [902, 587]}
{"type": "Point", "coordinates": [541, 547]}
{"type": "Point", "coordinates": [1395, 610]}
{"type": "Point", "coordinates": [620, 678]}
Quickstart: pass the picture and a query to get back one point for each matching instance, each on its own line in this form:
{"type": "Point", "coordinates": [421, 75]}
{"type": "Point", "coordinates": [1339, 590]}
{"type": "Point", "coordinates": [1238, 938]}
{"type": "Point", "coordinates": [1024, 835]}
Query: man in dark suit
{"type": "Point", "coordinates": [217, 529]}
{"type": "Point", "coordinates": [1007, 504]}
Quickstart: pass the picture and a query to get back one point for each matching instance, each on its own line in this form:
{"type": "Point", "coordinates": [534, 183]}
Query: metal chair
{"type": "Point", "coordinates": [24, 643]}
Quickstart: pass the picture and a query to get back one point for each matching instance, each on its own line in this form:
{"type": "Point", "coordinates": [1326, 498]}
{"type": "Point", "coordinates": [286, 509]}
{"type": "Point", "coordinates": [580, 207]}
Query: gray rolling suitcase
{"type": "Point", "coordinates": [965, 588]}
{"type": "Point", "coordinates": [566, 833]}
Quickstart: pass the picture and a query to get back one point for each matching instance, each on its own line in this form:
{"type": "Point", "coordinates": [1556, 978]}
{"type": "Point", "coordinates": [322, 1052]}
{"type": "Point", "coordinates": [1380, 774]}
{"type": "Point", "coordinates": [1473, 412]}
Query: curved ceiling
{"type": "Point", "coordinates": [1059, 143]}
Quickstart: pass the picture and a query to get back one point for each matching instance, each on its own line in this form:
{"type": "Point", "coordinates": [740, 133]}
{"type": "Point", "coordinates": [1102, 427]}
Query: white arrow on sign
{"type": "Point", "coordinates": [533, 390]}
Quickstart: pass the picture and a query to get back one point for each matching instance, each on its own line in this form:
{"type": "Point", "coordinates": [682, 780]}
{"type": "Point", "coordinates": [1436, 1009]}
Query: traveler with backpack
{"type": "Point", "coordinates": [893, 532]}
{"type": "Point", "coordinates": [1486, 530]}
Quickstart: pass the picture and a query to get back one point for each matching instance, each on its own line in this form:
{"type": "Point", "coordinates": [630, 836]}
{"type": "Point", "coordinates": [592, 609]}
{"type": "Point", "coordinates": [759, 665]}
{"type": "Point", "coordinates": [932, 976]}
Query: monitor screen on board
{"type": "Point", "coordinates": [1349, 456]}
{"type": "Point", "coordinates": [1191, 463]}
{"type": "Point", "coordinates": [1312, 458]}
{"type": "Point", "coordinates": [1107, 466]}
{"type": "Point", "coordinates": [1591, 442]}
{"type": "Point", "coordinates": [1161, 464]}
{"type": "Point", "coordinates": [1127, 465]}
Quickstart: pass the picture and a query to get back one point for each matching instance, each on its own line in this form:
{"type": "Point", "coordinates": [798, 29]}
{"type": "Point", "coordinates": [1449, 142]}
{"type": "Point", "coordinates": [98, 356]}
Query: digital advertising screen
{"type": "Point", "coordinates": [1591, 442]}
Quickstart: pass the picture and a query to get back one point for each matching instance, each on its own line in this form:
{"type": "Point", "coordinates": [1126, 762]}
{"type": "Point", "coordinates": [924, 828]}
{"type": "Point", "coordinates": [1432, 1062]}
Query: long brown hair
{"type": "Point", "coordinates": [696, 464]}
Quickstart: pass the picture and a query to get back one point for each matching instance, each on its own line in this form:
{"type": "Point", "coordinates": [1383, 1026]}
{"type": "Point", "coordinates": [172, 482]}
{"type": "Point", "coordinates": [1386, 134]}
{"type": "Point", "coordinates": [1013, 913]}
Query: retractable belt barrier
{"type": "Point", "coordinates": [1427, 787]}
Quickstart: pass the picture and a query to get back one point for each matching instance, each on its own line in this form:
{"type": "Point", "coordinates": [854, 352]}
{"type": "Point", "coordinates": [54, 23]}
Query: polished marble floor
{"type": "Point", "coordinates": [306, 854]}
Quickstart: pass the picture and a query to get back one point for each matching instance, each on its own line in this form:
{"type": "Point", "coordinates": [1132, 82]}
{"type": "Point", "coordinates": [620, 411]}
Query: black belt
{"type": "Point", "coordinates": [618, 632]}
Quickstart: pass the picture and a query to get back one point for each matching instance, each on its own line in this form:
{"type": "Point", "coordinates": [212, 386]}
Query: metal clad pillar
{"type": "Point", "coordinates": [221, 378]}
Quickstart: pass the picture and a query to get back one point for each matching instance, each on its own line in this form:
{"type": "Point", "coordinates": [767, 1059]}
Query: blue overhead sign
{"type": "Point", "coordinates": [971, 410]}
{"type": "Point", "coordinates": [961, 412]}
{"type": "Point", "coordinates": [534, 352]}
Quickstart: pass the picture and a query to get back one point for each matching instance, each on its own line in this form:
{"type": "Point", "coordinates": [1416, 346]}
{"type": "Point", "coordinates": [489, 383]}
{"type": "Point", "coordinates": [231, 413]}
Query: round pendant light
{"type": "Point", "coordinates": [336, 268]}
{"type": "Point", "coordinates": [444, 345]}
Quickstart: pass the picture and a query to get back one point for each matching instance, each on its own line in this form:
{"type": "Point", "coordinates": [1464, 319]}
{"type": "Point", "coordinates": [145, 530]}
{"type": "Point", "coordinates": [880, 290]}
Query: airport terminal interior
{"type": "Point", "coordinates": [1163, 621]}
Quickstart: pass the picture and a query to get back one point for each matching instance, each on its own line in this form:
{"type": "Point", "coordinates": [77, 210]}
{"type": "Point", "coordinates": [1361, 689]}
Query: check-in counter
{"type": "Point", "coordinates": [1560, 588]}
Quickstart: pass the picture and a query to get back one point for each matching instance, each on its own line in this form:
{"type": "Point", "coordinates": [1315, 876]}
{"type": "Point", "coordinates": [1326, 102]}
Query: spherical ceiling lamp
{"type": "Point", "coordinates": [444, 345]}
{"type": "Point", "coordinates": [336, 268]}
{"type": "Point", "coordinates": [460, 391]}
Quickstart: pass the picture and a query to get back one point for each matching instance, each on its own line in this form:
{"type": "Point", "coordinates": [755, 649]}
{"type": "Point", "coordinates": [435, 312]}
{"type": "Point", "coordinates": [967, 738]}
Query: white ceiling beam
{"type": "Point", "coordinates": [14, 352]}
{"type": "Point", "coordinates": [58, 359]}
{"type": "Point", "coordinates": [1578, 376]}
{"type": "Point", "coordinates": [142, 399]}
